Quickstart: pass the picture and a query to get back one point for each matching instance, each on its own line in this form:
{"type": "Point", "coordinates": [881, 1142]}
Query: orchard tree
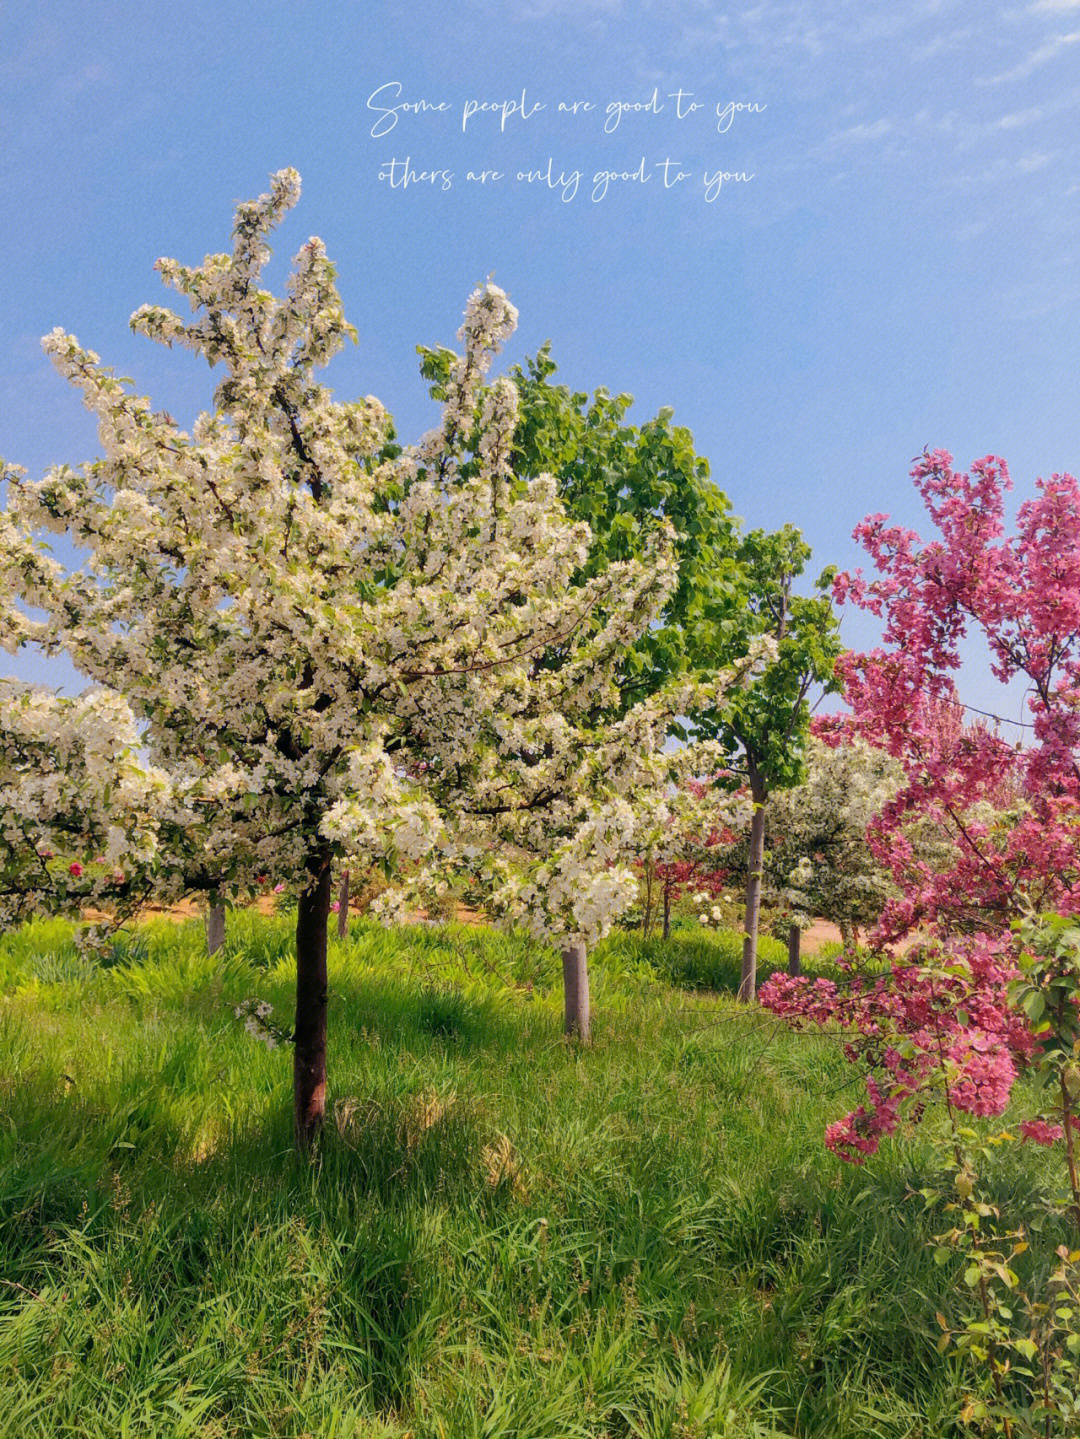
{"type": "Point", "coordinates": [1004, 812]}
{"type": "Point", "coordinates": [818, 861]}
{"type": "Point", "coordinates": [320, 635]}
{"type": "Point", "coordinates": [1004, 818]}
{"type": "Point", "coordinates": [276, 624]}
{"type": "Point", "coordinates": [732, 589]}
{"type": "Point", "coordinates": [763, 730]}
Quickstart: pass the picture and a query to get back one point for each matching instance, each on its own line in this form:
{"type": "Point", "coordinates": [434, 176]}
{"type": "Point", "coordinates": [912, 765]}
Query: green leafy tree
{"type": "Point", "coordinates": [734, 588]}
{"type": "Point", "coordinates": [764, 727]}
{"type": "Point", "coordinates": [620, 479]}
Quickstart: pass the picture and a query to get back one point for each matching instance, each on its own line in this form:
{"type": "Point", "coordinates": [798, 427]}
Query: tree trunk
{"type": "Point", "coordinates": [794, 958]}
{"type": "Point", "coordinates": [748, 979]}
{"type": "Point", "coordinates": [309, 1037]}
{"type": "Point", "coordinates": [215, 928]}
{"type": "Point", "coordinates": [576, 991]}
{"type": "Point", "coordinates": [646, 919]}
{"type": "Point", "coordinates": [667, 911]}
{"type": "Point", "coordinates": [343, 906]}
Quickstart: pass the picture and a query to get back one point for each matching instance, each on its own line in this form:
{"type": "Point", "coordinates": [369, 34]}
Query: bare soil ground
{"type": "Point", "coordinates": [819, 933]}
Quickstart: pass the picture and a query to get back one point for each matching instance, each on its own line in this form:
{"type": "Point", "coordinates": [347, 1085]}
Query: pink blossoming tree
{"type": "Point", "coordinates": [1004, 816]}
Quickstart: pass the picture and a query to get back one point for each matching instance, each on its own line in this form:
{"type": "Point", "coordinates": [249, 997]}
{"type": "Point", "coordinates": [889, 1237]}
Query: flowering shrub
{"type": "Point", "coordinates": [1004, 819]}
{"type": "Point", "coordinates": [1005, 814]}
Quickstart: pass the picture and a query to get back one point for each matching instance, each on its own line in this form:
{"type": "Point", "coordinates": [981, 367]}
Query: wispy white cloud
{"type": "Point", "coordinates": [1017, 119]}
{"type": "Point", "coordinates": [1003, 170]}
{"type": "Point", "coordinates": [876, 130]}
{"type": "Point", "coordinates": [941, 44]}
{"type": "Point", "coordinates": [1046, 52]}
{"type": "Point", "coordinates": [1054, 7]}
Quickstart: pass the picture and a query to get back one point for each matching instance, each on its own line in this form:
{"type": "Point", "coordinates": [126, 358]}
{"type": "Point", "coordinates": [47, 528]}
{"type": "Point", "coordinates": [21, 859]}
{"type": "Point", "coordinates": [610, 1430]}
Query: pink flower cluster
{"type": "Point", "coordinates": [1041, 1131]}
{"type": "Point", "coordinates": [938, 1017]}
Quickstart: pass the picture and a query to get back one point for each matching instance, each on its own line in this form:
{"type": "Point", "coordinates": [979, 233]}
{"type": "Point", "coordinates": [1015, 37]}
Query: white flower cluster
{"type": "Point", "coordinates": [256, 1016]}
{"type": "Point", "coordinates": [81, 816]}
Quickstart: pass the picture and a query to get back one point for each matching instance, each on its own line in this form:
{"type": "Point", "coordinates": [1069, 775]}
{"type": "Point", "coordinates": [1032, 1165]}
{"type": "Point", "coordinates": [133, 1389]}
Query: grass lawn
{"type": "Point", "coordinates": [502, 1235]}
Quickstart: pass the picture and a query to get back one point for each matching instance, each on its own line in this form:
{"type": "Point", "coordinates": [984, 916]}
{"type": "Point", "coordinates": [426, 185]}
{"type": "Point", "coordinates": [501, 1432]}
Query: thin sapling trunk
{"type": "Point", "coordinates": [794, 946]}
{"type": "Point", "coordinates": [343, 906]}
{"type": "Point", "coordinates": [576, 992]}
{"type": "Point", "coordinates": [215, 928]}
{"type": "Point", "coordinates": [748, 979]}
{"type": "Point", "coordinates": [309, 1036]}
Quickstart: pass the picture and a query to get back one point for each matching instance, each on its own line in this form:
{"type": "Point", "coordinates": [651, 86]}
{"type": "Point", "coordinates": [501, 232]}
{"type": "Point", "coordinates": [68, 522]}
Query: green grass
{"type": "Point", "coordinates": [502, 1235]}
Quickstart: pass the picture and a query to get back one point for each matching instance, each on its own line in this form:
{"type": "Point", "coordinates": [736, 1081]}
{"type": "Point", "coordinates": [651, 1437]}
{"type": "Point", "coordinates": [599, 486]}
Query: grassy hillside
{"type": "Point", "coordinates": [502, 1236]}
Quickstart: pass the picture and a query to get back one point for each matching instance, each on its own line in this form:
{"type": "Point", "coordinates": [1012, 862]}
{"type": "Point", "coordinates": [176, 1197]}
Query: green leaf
{"type": "Point", "coordinates": [1033, 1004]}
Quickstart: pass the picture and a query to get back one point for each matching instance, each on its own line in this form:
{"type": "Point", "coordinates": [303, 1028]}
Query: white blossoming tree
{"type": "Point", "coordinates": [564, 792]}
{"type": "Point", "coordinates": [818, 864]}
{"type": "Point", "coordinates": [326, 642]}
{"type": "Point", "coordinates": [821, 864]}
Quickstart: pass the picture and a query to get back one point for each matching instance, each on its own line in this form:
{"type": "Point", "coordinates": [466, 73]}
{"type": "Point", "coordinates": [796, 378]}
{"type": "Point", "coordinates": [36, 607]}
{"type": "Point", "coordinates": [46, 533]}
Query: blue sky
{"type": "Point", "coordinates": [901, 270]}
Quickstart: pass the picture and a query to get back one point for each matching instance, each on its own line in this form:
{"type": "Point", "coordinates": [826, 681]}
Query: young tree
{"type": "Point", "coordinates": [818, 863]}
{"type": "Point", "coordinates": [684, 846]}
{"type": "Point", "coordinates": [763, 730]}
{"type": "Point", "coordinates": [302, 624]}
{"type": "Point", "coordinates": [623, 481]}
{"type": "Point", "coordinates": [731, 590]}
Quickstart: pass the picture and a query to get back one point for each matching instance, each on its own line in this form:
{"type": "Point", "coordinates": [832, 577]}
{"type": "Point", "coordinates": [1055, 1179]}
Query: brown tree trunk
{"type": "Point", "coordinates": [748, 978]}
{"type": "Point", "coordinates": [576, 991]}
{"type": "Point", "coordinates": [309, 1037]}
{"type": "Point", "coordinates": [794, 957]}
{"type": "Point", "coordinates": [667, 910]}
{"type": "Point", "coordinates": [646, 918]}
{"type": "Point", "coordinates": [215, 928]}
{"type": "Point", "coordinates": [343, 906]}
